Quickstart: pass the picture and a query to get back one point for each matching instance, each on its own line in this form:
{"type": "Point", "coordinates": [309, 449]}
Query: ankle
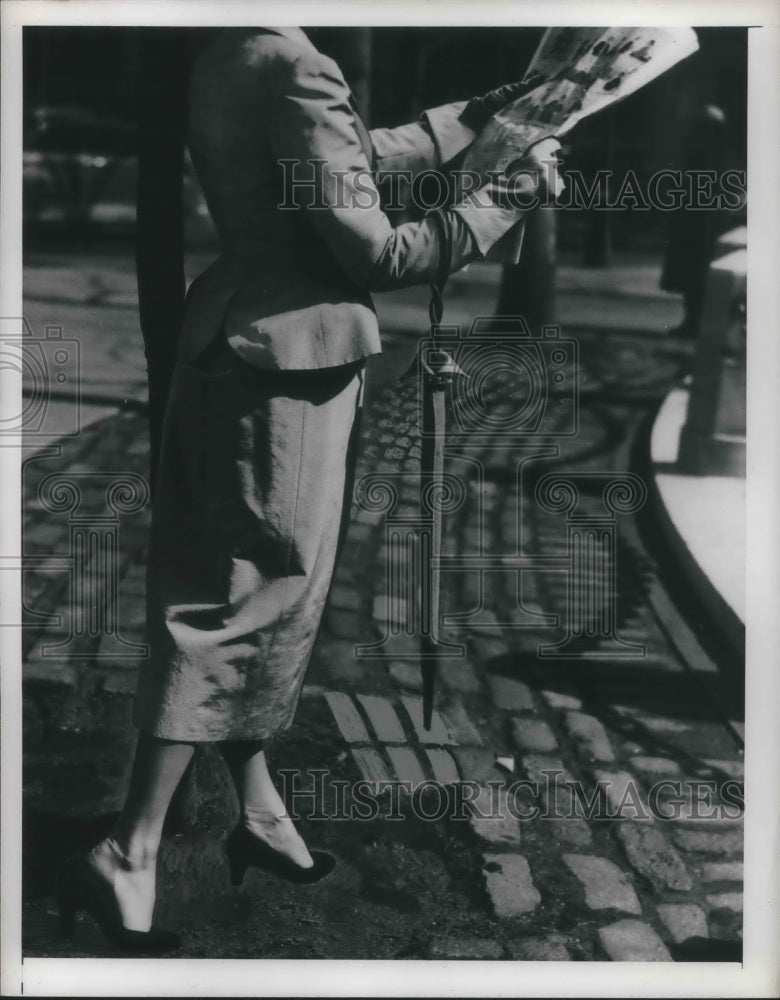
{"type": "Point", "coordinates": [132, 853]}
{"type": "Point", "coordinates": [251, 817]}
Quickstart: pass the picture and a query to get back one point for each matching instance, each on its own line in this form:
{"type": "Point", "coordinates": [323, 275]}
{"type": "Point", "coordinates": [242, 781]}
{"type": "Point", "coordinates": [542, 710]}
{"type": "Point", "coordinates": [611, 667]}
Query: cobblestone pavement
{"type": "Point", "coordinates": [470, 880]}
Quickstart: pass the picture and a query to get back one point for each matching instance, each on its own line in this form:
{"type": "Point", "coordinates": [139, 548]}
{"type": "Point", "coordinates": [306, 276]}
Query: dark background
{"type": "Point", "coordinates": [81, 90]}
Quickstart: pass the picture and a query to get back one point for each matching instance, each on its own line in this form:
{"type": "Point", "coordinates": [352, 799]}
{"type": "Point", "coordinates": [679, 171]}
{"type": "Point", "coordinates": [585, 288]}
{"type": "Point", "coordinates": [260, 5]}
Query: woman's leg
{"type": "Point", "coordinates": [127, 857]}
{"type": "Point", "coordinates": [263, 812]}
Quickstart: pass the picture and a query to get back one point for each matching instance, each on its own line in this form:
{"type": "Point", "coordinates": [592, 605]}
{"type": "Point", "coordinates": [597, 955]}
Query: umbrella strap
{"type": "Point", "coordinates": [444, 229]}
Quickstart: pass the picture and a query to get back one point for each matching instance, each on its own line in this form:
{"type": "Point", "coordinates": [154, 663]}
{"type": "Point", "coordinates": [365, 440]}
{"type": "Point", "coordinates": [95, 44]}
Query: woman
{"type": "Point", "coordinates": [258, 443]}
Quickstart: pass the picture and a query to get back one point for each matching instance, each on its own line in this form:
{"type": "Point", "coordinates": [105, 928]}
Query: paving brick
{"type": "Point", "coordinates": [633, 941]}
{"type": "Point", "coordinates": [510, 694]}
{"type": "Point", "coordinates": [626, 798]}
{"type": "Point", "coordinates": [343, 624]}
{"type": "Point", "coordinates": [656, 765]}
{"type": "Point", "coordinates": [561, 700]}
{"type": "Point", "coordinates": [401, 647]}
{"type": "Point", "coordinates": [565, 822]}
{"type": "Point", "coordinates": [120, 680]}
{"type": "Point", "coordinates": [651, 854]}
{"type": "Point", "coordinates": [509, 884]}
{"type": "Point", "coordinates": [540, 949]}
{"type": "Point", "coordinates": [474, 948]}
{"type": "Point", "coordinates": [589, 735]}
{"type": "Point", "coordinates": [406, 765]}
{"type": "Point", "coordinates": [533, 735]}
{"type": "Point", "coordinates": [460, 725]}
{"type": "Point", "coordinates": [444, 768]}
{"type": "Point", "coordinates": [708, 842]}
{"type": "Point", "coordinates": [372, 764]}
{"type": "Point", "coordinates": [338, 657]}
{"type": "Point", "coordinates": [439, 731]}
{"type": "Point", "coordinates": [722, 871]}
{"type": "Point", "coordinates": [606, 885]}
{"type": "Point", "coordinates": [477, 764]}
{"type": "Point", "coordinates": [406, 675]}
{"type": "Point", "coordinates": [458, 675]}
{"type": "Point", "coordinates": [733, 768]}
{"type": "Point", "coordinates": [390, 609]}
{"type": "Point", "coordinates": [683, 920]}
{"type": "Point", "coordinates": [347, 717]}
{"type": "Point", "coordinates": [726, 901]}
{"type": "Point", "coordinates": [345, 597]}
{"type": "Point", "coordinates": [491, 820]}
{"type": "Point", "coordinates": [383, 717]}
{"type": "Point", "coordinates": [486, 648]}
{"type": "Point", "coordinates": [45, 670]}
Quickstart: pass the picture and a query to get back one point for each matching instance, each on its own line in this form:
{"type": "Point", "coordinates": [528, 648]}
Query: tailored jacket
{"type": "Point", "coordinates": [285, 164]}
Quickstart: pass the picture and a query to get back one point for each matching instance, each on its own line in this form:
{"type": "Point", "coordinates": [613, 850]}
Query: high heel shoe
{"type": "Point", "coordinates": [81, 888]}
{"type": "Point", "coordinates": [245, 850]}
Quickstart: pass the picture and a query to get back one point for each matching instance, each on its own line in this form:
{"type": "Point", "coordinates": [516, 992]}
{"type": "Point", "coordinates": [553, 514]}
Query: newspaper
{"type": "Point", "coordinates": [576, 72]}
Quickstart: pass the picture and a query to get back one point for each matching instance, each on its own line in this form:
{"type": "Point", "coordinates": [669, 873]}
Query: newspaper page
{"type": "Point", "coordinates": [579, 71]}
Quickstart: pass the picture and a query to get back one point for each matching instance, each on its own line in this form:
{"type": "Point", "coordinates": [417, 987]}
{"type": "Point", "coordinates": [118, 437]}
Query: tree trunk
{"type": "Point", "coordinates": [162, 114]}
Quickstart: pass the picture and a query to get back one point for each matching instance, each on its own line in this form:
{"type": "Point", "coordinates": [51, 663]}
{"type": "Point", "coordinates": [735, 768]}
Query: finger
{"type": "Point", "coordinates": [545, 148]}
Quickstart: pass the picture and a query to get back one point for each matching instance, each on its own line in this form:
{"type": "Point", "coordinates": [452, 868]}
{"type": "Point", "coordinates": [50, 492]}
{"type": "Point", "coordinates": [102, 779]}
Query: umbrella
{"type": "Point", "coordinates": [437, 373]}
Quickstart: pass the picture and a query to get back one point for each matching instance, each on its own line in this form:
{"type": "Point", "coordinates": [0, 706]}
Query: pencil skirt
{"type": "Point", "coordinates": [250, 508]}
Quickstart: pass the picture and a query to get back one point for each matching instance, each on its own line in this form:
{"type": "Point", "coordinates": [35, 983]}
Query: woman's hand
{"type": "Point", "coordinates": [480, 110]}
{"type": "Point", "coordinates": [538, 170]}
{"type": "Point", "coordinates": [530, 180]}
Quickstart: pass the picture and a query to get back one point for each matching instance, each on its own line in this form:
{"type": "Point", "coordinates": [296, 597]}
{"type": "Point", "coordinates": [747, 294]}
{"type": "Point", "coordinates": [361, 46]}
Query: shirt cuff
{"type": "Point", "coordinates": [450, 134]}
{"type": "Point", "coordinates": [486, 220]}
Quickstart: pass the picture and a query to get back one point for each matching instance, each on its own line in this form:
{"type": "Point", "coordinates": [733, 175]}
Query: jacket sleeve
{"type": "Point", "coordinates": [431, 142]}
{"type": "Point", "coordinates": [315, 140]}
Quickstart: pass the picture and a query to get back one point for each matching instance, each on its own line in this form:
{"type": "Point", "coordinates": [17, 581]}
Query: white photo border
{"type": "Point", "coordinates": [758, 975]}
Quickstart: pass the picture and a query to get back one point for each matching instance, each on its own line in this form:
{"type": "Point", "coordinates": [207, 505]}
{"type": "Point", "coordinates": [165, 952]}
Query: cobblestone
{"type": "Point", "coordinates": [443, 766]}
{"type": "Point", "coordinates": [406, 675]}
{"type": "Point", "coordinates": [459, 676]}
{"type": "Point", "coordinates": [343, 624]}
{"type": "Point", "coordinates": [722, 871]}
{"type": "Point", "coordinates": [439, 731]}
{"type": "Point", "coordinates": [657, 743]}
{"type": "Point", "coordinates": [540, 949]}
{"type": "Point", "coordinates": [338, 658]}
{"type": "Point", "coordinates": [633, 941]}
{"type": "Point", "coordinates": [383, 718]}
{"type": "Point", "coordinates": [606, 886]}
{"type": "Point", "coordinates": [651, 854]}
{"type": "Point", "coordinates": [683, 920]}
{"type": "Point", "coordinates": [561, 700]}
{"type": "Point", "coordinates": [406, 765]}
{"type": "Point", "coordinates": [477, 764]}
{"type": "Point", "coordinates": [463, 730]}
{"type": "Point", "coordinates": [510, 695]}
{"type": "Point", "coordinates": [510, 886]}
{"type": "Point", "coordinates": [473, 948]}
{"type": "Point", "coordinates": [589, 735]}
{"type": "Point", "coordinates": [726, 901]}
{"type": "Point", "coordinates": [656, 765]}
{"type": "Point", "coordinates": [345, 597]}
{"type": "Point", "coordinates": [347, 717]}
{"type": "Point", "coordinates": [569, 829]}
{"type": "Point", "coordinates": [533, 735]}
{"type": "Point", "coordinates": [707, 842]}
{"type": "Point", "coordinates": [491, 820]}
